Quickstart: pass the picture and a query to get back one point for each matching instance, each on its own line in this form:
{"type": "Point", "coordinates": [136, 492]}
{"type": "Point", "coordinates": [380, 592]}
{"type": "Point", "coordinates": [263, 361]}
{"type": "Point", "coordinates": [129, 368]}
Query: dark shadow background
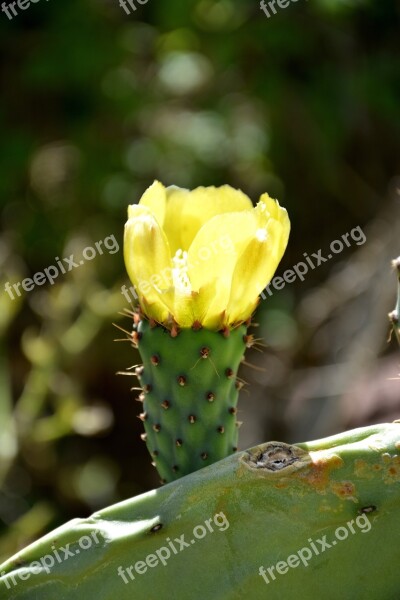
{"type": "Point", "coordinates": [94, 105]}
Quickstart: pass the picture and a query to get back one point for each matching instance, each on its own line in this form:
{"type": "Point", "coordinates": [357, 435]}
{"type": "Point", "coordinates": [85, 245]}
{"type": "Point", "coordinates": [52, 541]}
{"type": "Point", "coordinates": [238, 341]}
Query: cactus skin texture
{"type": "Point", "coordinates": [275, 497]}
{"type": "Point", "coordinates": [189, 394]}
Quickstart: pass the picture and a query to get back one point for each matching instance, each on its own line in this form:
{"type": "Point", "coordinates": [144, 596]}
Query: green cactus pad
{"type": "Point", "coordinates": [190, 394]}
{"type": "Point", "coordinates": [277, 500]}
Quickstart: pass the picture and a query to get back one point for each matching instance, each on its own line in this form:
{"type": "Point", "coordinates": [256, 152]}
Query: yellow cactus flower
{"type": "Point", "coordinates": [202, 256]}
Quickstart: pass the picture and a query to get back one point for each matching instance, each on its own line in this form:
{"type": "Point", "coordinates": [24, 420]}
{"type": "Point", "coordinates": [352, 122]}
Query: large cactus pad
{"type": "Point", "coordinates": [277, 522]}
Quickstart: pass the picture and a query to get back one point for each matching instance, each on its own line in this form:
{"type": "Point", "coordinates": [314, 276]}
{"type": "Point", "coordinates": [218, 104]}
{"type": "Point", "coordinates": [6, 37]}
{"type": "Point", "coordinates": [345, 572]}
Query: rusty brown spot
{"type": "Point", "coordinates": [317, 474]}
{"type": "Point", "coordinates": [343, 489]}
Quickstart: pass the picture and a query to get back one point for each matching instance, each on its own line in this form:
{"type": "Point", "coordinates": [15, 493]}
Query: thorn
{"type": "Point", "coordinates": [140, 398]}
{"type": "Point", "coordinates": [143, 436]}
{"type": "Point", "coordinates": [142, 416]}
{"type": "Point", "coordinates": [125, 372]}
{"type": "Point", "coordinates": [128, 333]}
{"type": "Point", "coordinates": [139, 370]}
{"type": "Point", "coordinates": [255, 367]}
{"type": "Point", "coordinates": [239, 384]}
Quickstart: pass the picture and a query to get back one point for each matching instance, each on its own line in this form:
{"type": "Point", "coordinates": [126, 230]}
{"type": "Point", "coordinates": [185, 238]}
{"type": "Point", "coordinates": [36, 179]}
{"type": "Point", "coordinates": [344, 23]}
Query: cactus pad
{"type": "Point", "coordinates": [189, 393]}
{"type": "Point", "coordinates": [255, 508]}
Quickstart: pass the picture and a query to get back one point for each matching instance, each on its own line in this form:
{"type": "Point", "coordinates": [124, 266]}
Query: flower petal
{"type": "Point", "coordinates": [148, 258]}
{"type": "Point", "coordinates": [258, 262]}
{"type": "Point", "coordinates": [155, 198]}
{"type": "Point", "coordinates": [213, 255]}
{"type": "Point", "coordinates": [187, 211]}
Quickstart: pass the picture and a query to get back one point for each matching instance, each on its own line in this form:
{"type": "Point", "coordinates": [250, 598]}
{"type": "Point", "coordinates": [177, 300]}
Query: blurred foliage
{"type": "Point", "coordinates": [95, 104]}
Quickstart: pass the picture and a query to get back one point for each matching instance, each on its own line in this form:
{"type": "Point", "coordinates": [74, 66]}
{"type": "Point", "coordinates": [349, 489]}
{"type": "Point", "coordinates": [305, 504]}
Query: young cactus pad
{"type": "Point", "coordinates": [198, 261]}
{"type": "Point", "coordinates": [190, 394]}
{"type": "Point", "coordinates": [214, 533]}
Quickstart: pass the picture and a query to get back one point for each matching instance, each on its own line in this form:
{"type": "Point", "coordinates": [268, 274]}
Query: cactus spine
{"type": "Point", "coordinates": [189, 392]}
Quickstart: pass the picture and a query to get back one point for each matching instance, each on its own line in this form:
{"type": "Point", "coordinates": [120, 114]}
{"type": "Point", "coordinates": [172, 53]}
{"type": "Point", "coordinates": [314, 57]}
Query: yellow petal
{"type": "Point", "coordinates": [173, 221]}
{"type": "Point", "coordinates": [213, 255]}
{"type": "Point", "coordinates": [275, 211]}
{"type": "Point", "coordinates": [155, 198]}
{"type": "Point", "coordinates": [256, 267]}
{"type": "Point", "coordinates": [187, 211]}
{"type": "Point", "coordinates": [148, 259]}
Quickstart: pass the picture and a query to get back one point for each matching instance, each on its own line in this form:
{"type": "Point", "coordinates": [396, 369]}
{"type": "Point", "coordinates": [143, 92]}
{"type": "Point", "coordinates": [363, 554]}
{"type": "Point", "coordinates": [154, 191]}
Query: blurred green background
{"type": "Point", "coordinates": [95, 104]}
